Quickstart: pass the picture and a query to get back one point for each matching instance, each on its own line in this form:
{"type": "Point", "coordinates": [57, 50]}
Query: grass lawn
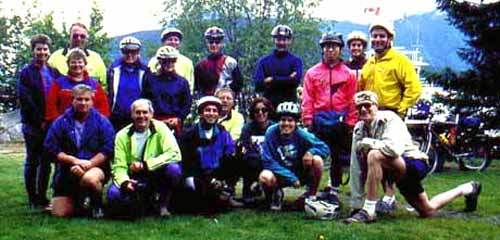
{"type": "Point", "coordinates": [19, 222]}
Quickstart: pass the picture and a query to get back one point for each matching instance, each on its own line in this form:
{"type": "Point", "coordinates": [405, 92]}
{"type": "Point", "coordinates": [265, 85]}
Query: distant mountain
{"type": "Point", "coordinates": [438, 40]}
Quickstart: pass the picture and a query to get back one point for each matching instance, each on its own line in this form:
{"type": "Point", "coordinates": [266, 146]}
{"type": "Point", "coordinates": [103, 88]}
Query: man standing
{"type": "Point", "coordinates": [382, 139]}
{"type": "Point", "coordinates": [146, 161]}
{"type": "Point", "coordinates": [125, 77]}
{"type": "Point", "coordinates": [278, 74]}
{"type": "Point", "coordinates": [391, 75]}
{"type": "Point", "coordinates": [81, 140]}
{"type": "Point", "coordinates": [78, 37]}
{"type": "Point", "coordinates": [33, 88]}
{"type": "Point", "coordinates": [328, 106]}
{"type": "Point", "coordinates": [217, 70]}
{"type": "Point", "coordinates": [291, 157]}
{"type": "Point", "coordinates": [183, 66]}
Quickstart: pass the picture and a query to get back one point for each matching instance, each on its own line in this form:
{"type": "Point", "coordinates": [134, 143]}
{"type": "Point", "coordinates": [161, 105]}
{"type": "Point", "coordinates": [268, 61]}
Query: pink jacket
{"type": "Point", "coordinates": [319, 81]}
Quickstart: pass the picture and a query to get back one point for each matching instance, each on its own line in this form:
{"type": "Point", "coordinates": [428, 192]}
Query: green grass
{"type": "Point", "coordinates": [19, 222]}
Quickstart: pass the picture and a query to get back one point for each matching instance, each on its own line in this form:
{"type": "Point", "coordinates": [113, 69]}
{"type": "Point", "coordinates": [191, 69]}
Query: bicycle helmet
{"type": "Point", "coordinates": [322, 210]}
{"type": "Point", "coordinates": [131, 43]}
{"type": "Point", "coordinates": [288, 109]}
{"type": "Point", "coordinates": [166, 52]}
{"type": "Point", "coordinates": [171, 31]}
{"type": "Point", "coordinates": [386, 25]}
{"type": "Point", "coordinates": [214, 33]}
{"type": "Point", "coordinates": [331, 37]}
{"type": "Point", "coordinates": [209, 100]}
{"type": "Point", "coordinates": [282, 31]}
{"type": "Point", "coordinates": [357, 35]}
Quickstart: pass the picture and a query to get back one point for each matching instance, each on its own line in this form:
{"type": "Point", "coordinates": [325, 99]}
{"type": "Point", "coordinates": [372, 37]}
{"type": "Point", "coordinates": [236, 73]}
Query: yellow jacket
{"type": "Point", "coordinates": [183, 67]}
{"type": "Point", "coordinates": [95, 65]}
{"type": "Point", "coordinates": [394, 79]}
{"type": "Point", "coordinates": [233, 125]}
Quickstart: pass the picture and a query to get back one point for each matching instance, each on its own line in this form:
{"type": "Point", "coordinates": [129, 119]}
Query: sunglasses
{"type": "Point", "coordinates": [168, 60]}
{"type": "Point", "coordinates": [262, 110]}
{"type": "Point", "coordinates": [82, 36]}
{"type": "Point", "coordinates": [125, 52]}
{"type": "Point", "coordinates": [212, 41]}
{"type": "Point", "coordinates": [363, 105]}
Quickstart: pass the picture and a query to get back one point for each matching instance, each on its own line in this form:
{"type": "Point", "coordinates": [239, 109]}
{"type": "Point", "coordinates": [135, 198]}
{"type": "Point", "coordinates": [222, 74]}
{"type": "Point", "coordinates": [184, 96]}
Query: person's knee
{"type": "Point", "coordinates": [374, 157]}
{"type": "Point", "coordinates": [318, 163]}
{"type": "Point", "coordinates": [266, 177]}
{"type": "Point", "coordinates": [93, 181]}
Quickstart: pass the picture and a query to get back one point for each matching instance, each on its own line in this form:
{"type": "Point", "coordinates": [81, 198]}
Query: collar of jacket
{"type": "Point", "coordinates": [201, 131]}
{"type": "Point", "coordinates": [391, 53]}
{"type": "Point", "coordinates": [280, 54]}
{"type": "Point", "coordinates": [151, 128]}
{"type": "Point", "coordinates": [215, 56]}
{"type": "Point", "coordinates": [334, 65]}
{"type": "Point", "coordinates": [66, 50]}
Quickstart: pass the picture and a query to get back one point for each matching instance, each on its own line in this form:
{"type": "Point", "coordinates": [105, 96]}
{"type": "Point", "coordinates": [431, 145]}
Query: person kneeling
{"type": "Point", "coordinates": [81, 141]}
{"type": "Point", "coordinates": [291, 157]}
{"type": "Point", "coordinates": [146, 166]}
{"type": "Point", "coordinates": [382, 138]}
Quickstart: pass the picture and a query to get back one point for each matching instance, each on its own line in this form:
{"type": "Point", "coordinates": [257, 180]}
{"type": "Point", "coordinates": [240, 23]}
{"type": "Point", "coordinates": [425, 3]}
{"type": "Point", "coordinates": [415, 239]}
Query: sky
{"type": "Point", "coordinates": [127, 16]}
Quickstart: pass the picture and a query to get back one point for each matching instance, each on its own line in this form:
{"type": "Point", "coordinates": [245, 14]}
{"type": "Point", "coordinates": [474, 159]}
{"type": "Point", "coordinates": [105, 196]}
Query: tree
{"type": "Point", "coordinates": [247, 24]}
{"type": "Point", "coordinates": [477, 87]}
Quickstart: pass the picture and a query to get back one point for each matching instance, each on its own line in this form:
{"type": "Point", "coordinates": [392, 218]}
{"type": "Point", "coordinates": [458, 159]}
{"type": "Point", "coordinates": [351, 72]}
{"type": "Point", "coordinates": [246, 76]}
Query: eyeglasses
{"type": "Point", "coordinates": [212, 41]}
{"type": "Point", "coordinates": [262, 110]}
{"type": "Point", "coordinates": [363, 105]}
{"type": "Point", "coordinates": [168, 60]}
{"type": "Point", "coordinates": [82, 36]}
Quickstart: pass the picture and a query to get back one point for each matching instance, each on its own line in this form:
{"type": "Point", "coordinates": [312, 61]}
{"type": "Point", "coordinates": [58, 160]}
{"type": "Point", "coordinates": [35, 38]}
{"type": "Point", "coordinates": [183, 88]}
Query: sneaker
{"type": "Point", "coordinates": [471, 199]}
{"type": "Point", "coordinates": [361, 216]}
{"type": "Point", "coordinates": [300, 202]}
{"type": "Point", "coordinates": [97, 213]}
{"type": "Point", "coordinates": [385, 208]}
{"type": "Point", "coordinates": [277, 200]}
{"type": "Point", "coordinates": [164, 213]}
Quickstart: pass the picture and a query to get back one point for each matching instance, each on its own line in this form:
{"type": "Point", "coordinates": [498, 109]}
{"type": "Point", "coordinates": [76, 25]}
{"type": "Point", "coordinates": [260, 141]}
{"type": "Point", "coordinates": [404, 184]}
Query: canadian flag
{"type": "Point", "coordinates": [372, 11]}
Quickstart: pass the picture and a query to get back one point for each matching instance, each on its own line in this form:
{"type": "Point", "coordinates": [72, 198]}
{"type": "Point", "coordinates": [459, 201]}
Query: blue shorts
{"type": "Point", "coordinates": [410, 184]}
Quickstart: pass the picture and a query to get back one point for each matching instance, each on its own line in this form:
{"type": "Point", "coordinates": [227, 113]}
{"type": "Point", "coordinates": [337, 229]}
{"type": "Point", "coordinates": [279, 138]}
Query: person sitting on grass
{"type": "Point", "coordinates": [81, 140]}
{"type": "Point", "coordinates": [291, 157]}
{"type": "Point", "coordinates": [146, 164]}
{"type": "Point", "coordinates": [382, 138]}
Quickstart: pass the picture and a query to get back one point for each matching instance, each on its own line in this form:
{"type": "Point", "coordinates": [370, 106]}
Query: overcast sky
{"type": "Point", "coordinates": [126, 16]}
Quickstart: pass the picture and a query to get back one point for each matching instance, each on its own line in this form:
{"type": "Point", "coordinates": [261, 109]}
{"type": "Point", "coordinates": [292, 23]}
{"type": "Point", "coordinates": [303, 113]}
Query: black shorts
{"type": "Point", "coordinates": [304, 177]}
{"type": "Point", "coordinates": [67, 186]}
{"type": "Point", "coordinates": [410, 184]}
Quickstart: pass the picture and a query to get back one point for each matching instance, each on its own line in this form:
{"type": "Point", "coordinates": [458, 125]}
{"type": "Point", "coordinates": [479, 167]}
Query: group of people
{"type": "Point", "coordinates": [127, 125]}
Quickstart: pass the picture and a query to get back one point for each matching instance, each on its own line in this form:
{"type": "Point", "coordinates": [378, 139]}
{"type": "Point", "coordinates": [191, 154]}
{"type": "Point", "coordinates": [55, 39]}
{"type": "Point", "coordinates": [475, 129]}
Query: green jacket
{"type": "Point", "coordinates": [161, 148]}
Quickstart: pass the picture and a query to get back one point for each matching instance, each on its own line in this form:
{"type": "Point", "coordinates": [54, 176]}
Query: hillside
{"type": "Point", "coordinates": [438, 40]}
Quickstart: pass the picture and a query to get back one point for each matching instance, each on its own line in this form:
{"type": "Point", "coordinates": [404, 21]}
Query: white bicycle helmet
{"type": "Point", "coordinates": [388, 26]}
{"type": "Point", "coordinates": [131, 43]}
{"type": "Point", "coordinates": [214, 33]}
{"type": "Point", "coordinates": [282, 30]}
{"type": "Point", "coordinates": [166, 52]}
{"type": "Point", "coordinates": [209, 100]}
{"type": "Point", "coordinates": [321, 210]}
{"type": "Point", "coordinates": [288, 109]}
{"type": "Point", "coordinates": [171, 31]}
{"type": "Point", "coordinates": [357, 35]}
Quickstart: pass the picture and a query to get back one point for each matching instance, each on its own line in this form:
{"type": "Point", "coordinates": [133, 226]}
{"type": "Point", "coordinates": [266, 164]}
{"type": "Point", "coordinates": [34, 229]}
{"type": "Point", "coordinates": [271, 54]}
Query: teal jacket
{"type": "Point", "coordinates": [161, 148]}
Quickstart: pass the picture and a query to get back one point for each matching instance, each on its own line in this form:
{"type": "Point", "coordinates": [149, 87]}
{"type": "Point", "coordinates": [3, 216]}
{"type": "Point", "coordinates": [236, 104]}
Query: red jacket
{"type": "Point", "coordinates": [329, 89]}
{"type": "Point", "coordinates": [60, 96]}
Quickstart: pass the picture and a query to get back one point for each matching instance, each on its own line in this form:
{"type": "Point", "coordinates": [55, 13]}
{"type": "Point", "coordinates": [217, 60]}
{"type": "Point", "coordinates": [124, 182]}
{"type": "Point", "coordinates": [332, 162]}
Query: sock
{"type": "Point", "coordinates": [466, 188]}
{"type": "Point", "coordinates": [370, 207]}
{"type": "Point", "coordinates": [389, 199]}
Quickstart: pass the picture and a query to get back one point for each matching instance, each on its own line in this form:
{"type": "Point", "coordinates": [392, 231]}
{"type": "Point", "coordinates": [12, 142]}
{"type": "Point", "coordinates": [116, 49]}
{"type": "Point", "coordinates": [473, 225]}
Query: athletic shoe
{"type": "Point", "coordinates": [471, 199]}
{"type": "Point", "coordinates": [361, 216]}
{"type": "Point", "coordinates": [385, 208]}
{"type": "Point", "coordinates": [97, 213]}
{"type": "Point", "coordinates": [164, 213]}
{"type": "Point", "coordinates": [277, 200]}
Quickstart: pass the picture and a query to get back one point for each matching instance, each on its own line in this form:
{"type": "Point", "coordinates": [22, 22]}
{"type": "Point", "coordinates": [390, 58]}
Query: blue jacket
{"type": "Point", "coordinates": [98, 137]}
{"type": "Point", "coordinates": [200, 153]}
{"type": "Point", "coordinates": [124, 77]}
{"type": "Point", "coordinates": [279, 66]}
{"type": "Point", "coordinates": [169, 93]}
{"type": "Point", "coordinates": [31, 94]}
{"type": "Point", "coordinates": [283, 156]}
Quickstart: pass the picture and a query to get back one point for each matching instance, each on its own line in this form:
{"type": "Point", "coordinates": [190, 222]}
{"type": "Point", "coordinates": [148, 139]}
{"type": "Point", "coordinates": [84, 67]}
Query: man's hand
{"type": "Point", "coordinates": [136, 167]}
{"type": "Point", "coordinates": [130, 185]}
{"type": "Point", "coordinates": [268, 80]}
{"type": "Point", "coordinates": [296, 184]}
{"type": "Point", "coordinates": [366, 144]}
{"type": "Point", "coordinates": [77, 170]}
{"type": "Point", "coordinates": [85, 164]}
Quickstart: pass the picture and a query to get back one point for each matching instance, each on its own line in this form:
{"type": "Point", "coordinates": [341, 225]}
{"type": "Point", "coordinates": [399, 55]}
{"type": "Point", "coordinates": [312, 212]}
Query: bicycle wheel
{"type": "Point", "coordinates": [433, 160]}
{"type": "Point", "coordinates": [476, 157]}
